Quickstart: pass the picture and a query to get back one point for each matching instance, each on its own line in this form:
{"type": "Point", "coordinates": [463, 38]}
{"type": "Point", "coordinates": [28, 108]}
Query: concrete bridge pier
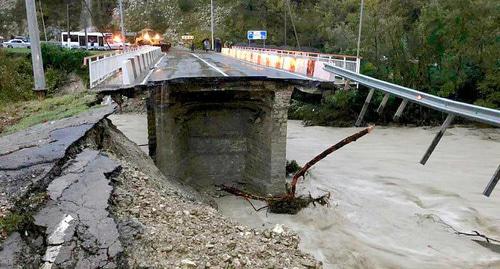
{"type": "Point", "coordinates": [231, 131]}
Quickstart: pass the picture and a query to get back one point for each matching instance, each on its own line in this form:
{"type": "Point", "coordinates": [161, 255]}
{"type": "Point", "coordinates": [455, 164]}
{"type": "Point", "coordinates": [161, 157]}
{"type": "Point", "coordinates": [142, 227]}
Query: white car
{"type": "Point", "coordinates": [16, 43]}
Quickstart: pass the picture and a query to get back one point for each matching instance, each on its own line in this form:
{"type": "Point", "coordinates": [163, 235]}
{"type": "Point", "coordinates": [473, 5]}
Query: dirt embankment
{"type": "Point", "coordinates": [117, 210]}
{"type": "Point", "coordinates": [164, 224]}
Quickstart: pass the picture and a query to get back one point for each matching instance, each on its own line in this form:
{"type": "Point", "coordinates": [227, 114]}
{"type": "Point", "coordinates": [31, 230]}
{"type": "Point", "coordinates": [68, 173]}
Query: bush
{"type": "Point", "coordinates": [338, 109]}
{"type": "Point", "coordinates": [16, 79]}
{"type": "Point", "coordinates": [65, 60]}
{"type": "Point", "coordinates": [55, 79]}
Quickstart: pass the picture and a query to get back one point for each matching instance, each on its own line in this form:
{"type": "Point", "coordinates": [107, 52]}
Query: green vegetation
{"type": "Point", "coordinates": [21, 220]}
{"type": "Point", "coordinates": [16, 50]}
{"type": "Point", "coordinates": [338, 109]}
{"type": "Point", "coordinates": [60, 62]}
{"type": "Point", "coordinates": [13, 222]}
{"type": "Point", "coordinates": [448, 48]}
{"type": "Point", "coordinates": [16, 78]}
{"type": "Point", "coordinates": [34, 112]}
{"type": "Point", "coordinates": [292, 167]}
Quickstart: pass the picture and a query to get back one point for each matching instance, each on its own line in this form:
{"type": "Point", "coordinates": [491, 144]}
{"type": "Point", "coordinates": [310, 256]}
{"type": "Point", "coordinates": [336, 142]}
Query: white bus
{"type": "Point", "coordinates": [96, 40]}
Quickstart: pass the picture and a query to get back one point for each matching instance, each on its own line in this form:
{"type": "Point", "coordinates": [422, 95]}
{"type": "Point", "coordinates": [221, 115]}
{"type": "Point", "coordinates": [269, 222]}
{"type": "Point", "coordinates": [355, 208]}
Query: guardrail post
{"type": "Point", "coordinates": [400, 110]}
{"type": "Point", "coordinates": [143, 61]}
{"type": "Point", "coordinates": [138, 64]}
{"type": "Point", "coordinates": [437, 138]}
{"type": "Point", "coordinates": [493, 182]}
{"type": "Point", "coordinates": [91, 74]}
{"type": "Point", "coordinates": [359, 121]}
{"type": "Point", "coordinates": [135, 67]}
{"type": "Point", "coordinates": [151, 58]}
{"type": "Point", "coordinates": [381, 107]}
{"type": "Point", "coordinates": [146, 59]}
{"type": "Point", "coordinates": [128, 76]}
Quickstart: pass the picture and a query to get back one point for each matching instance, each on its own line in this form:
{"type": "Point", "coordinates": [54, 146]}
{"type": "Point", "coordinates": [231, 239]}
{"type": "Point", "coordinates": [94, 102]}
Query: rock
{"type": "Point", "coordinates": [267, 234]}
{"type": "Point", "coordinates": [168, 248]}
{"type": "Point", "coordinates": [225, 257]}
{"type": "Point", "coordinates": [278, 229]}
{"type": "Point", "coordinates": [188, 264]}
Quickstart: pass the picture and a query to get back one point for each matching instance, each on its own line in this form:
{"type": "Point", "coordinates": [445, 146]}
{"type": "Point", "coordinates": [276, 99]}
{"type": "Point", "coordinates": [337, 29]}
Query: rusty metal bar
{"type": "Point", "coordinates": [359, 121]}
{"type": "Point", "coordinates": [493, 182]}
{"type": "Point", "coordinates": [437, 138]}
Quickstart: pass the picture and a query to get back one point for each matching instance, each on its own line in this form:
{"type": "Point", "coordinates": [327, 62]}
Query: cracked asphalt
{"type": "Point", "coordinates": [28, 157]}
{"type": "Point", "coordinates": [88, 197]}
{"type": "Point", "coordinates": [83, 191]}
{"type": "Point", "coordinates": [39, 161]}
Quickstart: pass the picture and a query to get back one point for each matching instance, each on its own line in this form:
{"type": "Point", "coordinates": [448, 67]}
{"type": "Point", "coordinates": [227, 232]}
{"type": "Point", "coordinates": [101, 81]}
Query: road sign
{"type": "Point", "coordinates": [256, 35]}
{"type": "Point", "coordinates": [187, 37]}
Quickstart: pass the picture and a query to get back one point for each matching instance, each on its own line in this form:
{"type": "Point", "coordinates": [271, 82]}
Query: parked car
{"type": "Point", "coordinates": [16, 43]}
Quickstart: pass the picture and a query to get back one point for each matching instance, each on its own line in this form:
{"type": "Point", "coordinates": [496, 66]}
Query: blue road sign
{"type": "Point", "coordinates": [256, 35]}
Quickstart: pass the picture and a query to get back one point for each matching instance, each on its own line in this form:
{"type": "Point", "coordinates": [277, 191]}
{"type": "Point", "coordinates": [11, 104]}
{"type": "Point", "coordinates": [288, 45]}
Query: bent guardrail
{"type": "Point", "coordinates": [472, 112]}
{"type": "Point", "coordinates": [450, 107]}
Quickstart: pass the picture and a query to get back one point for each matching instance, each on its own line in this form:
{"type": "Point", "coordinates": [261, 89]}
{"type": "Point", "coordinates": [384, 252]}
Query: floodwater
{"type": "Point", "coordinates": [387, 210]}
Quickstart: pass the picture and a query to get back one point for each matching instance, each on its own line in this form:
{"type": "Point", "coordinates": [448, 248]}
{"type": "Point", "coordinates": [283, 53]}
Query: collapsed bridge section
{"type": "Point", "coordinates": [231, 131]}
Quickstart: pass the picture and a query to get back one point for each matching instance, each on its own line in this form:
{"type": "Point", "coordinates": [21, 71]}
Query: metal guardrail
{"type": "Point", "coordinates": [450, 107]}
{"type": "Point", "coordinates": [472, 112]}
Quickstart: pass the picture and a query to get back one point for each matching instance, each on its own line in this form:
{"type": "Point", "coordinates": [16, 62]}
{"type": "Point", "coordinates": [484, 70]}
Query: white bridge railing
{"type": "Point", "coordinates": [132, 62]}
{"type": "Point", "coordinates": [308, 64]}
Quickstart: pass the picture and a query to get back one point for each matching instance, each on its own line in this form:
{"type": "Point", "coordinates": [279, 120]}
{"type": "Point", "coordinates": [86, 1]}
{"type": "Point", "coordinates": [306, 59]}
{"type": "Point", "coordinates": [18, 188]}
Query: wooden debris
{"type": "Point", "coordinates": [289, 203]}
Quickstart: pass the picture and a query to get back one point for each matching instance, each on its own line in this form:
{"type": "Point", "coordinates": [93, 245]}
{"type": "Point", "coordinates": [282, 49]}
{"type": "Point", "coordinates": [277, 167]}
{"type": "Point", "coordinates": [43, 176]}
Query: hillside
{"type": "Point", "coordinates": [447, 47]}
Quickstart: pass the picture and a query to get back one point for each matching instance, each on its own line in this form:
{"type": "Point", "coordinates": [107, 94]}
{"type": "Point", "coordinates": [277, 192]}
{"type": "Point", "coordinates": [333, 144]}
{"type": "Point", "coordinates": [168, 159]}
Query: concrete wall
{"type": "Point", "coordinates": [211, 132]}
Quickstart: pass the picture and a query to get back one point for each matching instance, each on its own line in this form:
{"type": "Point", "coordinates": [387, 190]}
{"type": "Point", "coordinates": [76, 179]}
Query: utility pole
{"type": "Point", "coordinates": [284, 9]}
{"type": "Point", "coordinates": [69, 33]}
{"type": "Point", "coordinates": [212, 21]}
{"type": "Point", "coordinates": [36, 52]}
{"type": "Point", "coordinates": [122, 25]}
{"type": "Point", "coordinates": [360, 25]}
{"type": "Point", "coordinates": [85, 25]}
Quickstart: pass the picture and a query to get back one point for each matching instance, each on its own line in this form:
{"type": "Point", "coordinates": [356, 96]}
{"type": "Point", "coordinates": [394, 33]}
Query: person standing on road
{"type": "Point", "coordinates": [206, 45]}
{"type": "Point", "coordinates": [218, 45]}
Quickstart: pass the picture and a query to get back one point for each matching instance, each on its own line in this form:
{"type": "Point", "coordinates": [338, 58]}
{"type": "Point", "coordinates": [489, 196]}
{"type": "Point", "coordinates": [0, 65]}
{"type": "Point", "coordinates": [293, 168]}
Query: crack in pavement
{"type": "Point", "coordinates": [85, 195]}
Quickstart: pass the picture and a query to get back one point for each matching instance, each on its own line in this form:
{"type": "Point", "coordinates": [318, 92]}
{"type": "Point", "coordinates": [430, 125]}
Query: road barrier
{"type": "Point", "coordinates": [132, 62]}
{"type": "Point", "coordinates": [308, 64]}
{"type": "Point", "coordinates": [450, 107]}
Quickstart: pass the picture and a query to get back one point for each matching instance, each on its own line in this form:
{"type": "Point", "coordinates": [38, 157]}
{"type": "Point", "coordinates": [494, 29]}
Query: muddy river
{"type": "Point", "coordinates": [387, 210]}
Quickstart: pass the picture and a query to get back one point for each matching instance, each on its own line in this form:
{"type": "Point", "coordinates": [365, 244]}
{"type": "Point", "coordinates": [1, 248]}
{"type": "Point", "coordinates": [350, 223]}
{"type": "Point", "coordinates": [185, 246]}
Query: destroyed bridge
{"type": "Point", "coordinates": [222, 118]}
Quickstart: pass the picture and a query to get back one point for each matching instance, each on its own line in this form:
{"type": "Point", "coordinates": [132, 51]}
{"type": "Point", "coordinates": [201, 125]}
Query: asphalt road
{"type": "Point", "coordinates": [179, 63]}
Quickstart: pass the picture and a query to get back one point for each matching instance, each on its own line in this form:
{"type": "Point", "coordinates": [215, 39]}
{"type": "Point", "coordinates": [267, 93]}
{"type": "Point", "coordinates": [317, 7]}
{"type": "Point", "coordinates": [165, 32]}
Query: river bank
{"type": "Point", "coordinates": [77, 193]}
{"type": "Point", "coordinates": [388, 211]}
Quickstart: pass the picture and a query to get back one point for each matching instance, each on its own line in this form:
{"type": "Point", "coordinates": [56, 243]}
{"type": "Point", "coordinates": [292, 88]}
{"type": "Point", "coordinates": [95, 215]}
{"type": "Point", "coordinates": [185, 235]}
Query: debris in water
{"type": "Point", "coordinates": [289, 203]}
